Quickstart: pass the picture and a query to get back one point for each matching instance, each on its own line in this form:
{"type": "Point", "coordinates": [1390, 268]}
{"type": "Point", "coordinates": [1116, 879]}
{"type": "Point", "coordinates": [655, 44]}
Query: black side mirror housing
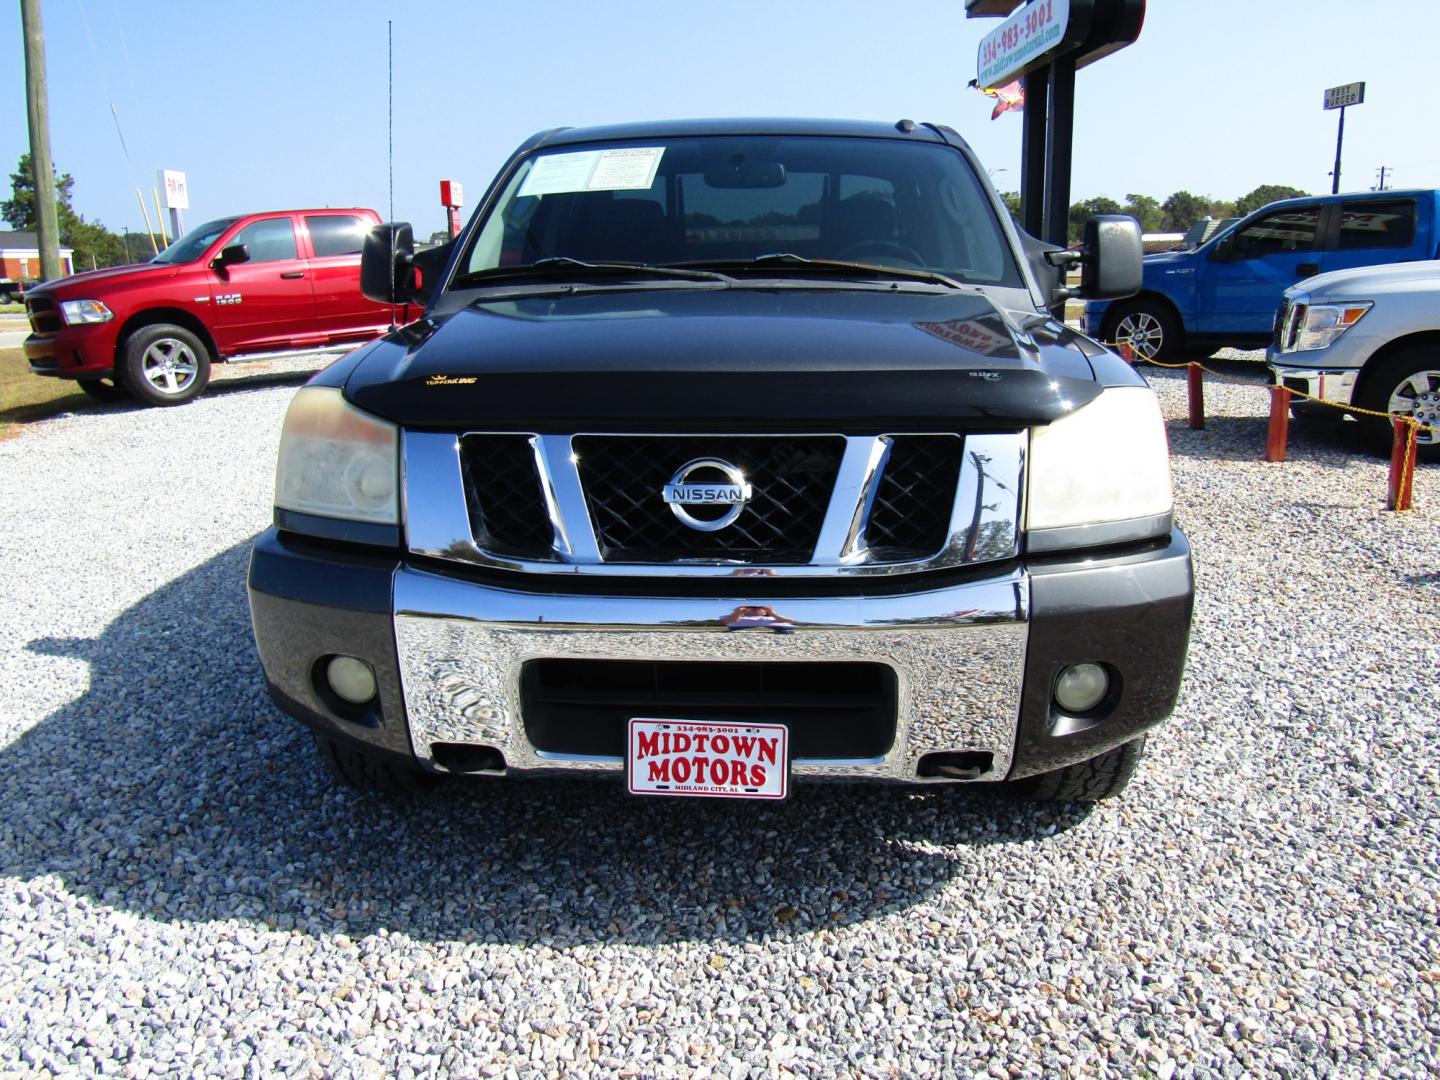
{"type": "Point", "coordinates": [229, 256]}
{"type": "Point", "coordinates": [387, 265]}
{"type": "Point", "coordinates": [1224, 249]}
{"type": "Point", "coordinates": [1111, 258]}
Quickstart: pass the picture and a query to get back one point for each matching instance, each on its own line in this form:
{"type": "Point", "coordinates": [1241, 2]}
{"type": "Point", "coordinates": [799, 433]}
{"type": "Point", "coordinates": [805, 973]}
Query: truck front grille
{"type": "Point", "coordinates": [834, 710]}
{"type": "Point", "coordinates": [44, 316]}
{"type": "Point", "coordinates": [911, 515]}
{"type": "Point", "coordinates": [818, 505]}
{"type": "Point", "coordinates": [791, 478]}
{"type": "Point", "coordinates": [503, 495]}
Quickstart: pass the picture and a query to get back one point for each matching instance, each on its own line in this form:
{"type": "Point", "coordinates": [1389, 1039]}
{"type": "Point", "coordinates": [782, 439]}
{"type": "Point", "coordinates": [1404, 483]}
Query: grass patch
{"type": "Point", "coordinates": [12, 309]}
{"type": "Point", "coordinates": [25, 398]}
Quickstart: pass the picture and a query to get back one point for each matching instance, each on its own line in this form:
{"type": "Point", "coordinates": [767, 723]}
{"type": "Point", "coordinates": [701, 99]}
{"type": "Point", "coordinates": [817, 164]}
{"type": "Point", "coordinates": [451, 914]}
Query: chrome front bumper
{"type": "Point", "coordinates": [958, 654]}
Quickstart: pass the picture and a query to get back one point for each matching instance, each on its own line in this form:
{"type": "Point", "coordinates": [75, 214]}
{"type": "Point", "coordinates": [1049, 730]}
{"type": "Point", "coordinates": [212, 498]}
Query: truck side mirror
{"type": "Point", "coordinates": [387, 270]}
{"type": "Point", "coordinates": [1111, 258]}
{"type": "Point", "coordinates": [229, 256]}
{"type": "Point", "coordinates": [1224, 249]}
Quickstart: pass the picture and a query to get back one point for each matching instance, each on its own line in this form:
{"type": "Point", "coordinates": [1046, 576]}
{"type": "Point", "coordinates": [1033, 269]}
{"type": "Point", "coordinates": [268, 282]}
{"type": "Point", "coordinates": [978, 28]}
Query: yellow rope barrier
{"type": "Point", "coordinates": [1416, 426]}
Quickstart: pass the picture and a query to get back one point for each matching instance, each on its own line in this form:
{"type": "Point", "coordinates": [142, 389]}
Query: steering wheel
{"type": "Point", "coordinates": [861, 248]}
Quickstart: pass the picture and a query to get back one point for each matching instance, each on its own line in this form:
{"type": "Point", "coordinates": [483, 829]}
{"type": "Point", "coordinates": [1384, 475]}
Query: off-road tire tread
{"type": "Point", "coordinates": [1102, 777]}
{"type": "Point", "coordinates": [367, 773]}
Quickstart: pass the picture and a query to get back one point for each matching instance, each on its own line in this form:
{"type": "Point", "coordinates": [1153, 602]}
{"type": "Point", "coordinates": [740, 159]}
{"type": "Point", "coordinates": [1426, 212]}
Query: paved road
{"type": "Point", "coordinates": [13, 329]}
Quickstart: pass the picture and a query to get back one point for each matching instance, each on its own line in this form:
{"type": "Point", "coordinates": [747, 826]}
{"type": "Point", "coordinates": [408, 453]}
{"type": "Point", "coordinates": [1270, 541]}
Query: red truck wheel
{"type": "Point", "coordinates": [104, 389]}
{"type": "Point", "coordinates": [165, 364]}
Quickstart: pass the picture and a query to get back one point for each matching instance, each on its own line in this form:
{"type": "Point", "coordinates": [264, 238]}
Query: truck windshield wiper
{"type": "Point", "coordinates": [787, 258]}
{"type": "Point", "coordinates": [560, 265]}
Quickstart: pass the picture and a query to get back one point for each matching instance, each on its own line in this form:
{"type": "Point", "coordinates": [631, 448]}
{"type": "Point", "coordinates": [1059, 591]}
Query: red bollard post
{"type": "Point", "coordinates": [1197, 396]}
{"type": "Point", "coordinates": [1402, 462]}
{"type": "Point", "coordinates": [1279, 433]}
{"type": "Point", "coordinates": [1127, 353]}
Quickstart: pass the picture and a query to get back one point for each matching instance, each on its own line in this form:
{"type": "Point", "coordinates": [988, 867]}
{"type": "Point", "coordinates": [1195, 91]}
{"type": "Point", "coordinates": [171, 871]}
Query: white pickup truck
{"type": "Point", "coordinates": [1368, 337]}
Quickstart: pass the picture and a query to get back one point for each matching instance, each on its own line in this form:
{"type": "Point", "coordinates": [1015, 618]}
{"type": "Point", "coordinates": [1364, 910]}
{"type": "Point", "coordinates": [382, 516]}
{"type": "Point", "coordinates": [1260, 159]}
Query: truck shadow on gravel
{"type": "Point", "coordinates": [172, 789]}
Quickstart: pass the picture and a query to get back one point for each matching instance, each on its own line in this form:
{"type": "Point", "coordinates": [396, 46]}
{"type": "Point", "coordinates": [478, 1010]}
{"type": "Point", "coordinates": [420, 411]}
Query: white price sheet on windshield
{"type": "Point", "coordinates": [630, 168]}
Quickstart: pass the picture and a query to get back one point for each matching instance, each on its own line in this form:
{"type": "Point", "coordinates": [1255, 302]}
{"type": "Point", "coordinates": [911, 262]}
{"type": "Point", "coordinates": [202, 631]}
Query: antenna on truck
{"type": "Point", "coordinates": [390, 153]}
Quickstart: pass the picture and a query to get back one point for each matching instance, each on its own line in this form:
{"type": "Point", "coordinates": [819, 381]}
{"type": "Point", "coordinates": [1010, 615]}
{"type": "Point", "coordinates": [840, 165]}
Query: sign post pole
{"type": "Point", "coordinates": [1341, 97]}
{"type": "Point", "coordinates": [1339, 143]}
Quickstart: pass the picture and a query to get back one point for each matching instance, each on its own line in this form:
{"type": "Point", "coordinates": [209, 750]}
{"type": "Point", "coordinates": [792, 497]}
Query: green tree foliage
{"type": "Point", "coordinates": [93, 244]}
{"type": "Point", "coordinates": [1182, 209]}
{"type": "Point", "coordinates": [1146, 211]}
{"type": "Point", "coordinates": [1012, 203]}
{"type": "Point", "coordinates": [1266, 193]}
{"type": "Point", "coordinates": [1081, 212]}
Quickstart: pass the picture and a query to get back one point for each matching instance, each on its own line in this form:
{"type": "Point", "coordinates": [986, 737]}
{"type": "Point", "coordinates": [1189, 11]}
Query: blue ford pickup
{"type": "Point", "coordinates": [1226, 291]}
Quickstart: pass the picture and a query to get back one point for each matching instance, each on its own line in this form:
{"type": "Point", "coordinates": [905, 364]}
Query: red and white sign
{"type": "Point", "coordinates": [452, 193]}
{"type": "Point", "coordinates": [177, 191]}
{"type": "Point", "coordinates": [708, 758]}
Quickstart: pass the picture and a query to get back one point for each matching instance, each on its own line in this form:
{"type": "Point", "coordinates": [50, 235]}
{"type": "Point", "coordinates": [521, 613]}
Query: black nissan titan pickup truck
{"type": "Point", "coordinates": [726, 453]}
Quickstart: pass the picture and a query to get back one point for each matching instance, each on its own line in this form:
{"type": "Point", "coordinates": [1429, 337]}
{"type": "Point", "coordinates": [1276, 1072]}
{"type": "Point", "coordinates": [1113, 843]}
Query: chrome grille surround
{"type": "Point", "coordinates": [983, 521]}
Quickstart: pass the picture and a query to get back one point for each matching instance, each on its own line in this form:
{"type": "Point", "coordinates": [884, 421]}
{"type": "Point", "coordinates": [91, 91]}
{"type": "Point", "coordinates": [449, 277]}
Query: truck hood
{"type": "Point", "coordinates": [97, 281]}
{"type": "Point", "coordinates": [708, 358]}
{"type": "Point", "coordinates": [1364, 281]}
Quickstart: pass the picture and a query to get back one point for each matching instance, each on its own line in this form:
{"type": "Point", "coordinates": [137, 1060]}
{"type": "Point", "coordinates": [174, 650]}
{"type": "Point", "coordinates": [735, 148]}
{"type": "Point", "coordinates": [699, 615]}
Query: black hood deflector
{"type": "Point", "coordinates": [698, 358]}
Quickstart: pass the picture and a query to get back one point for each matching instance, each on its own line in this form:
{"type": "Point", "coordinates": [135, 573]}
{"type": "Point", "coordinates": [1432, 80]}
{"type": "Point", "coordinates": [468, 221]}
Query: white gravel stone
{"type": "Point", "coordinates": [182, 892]}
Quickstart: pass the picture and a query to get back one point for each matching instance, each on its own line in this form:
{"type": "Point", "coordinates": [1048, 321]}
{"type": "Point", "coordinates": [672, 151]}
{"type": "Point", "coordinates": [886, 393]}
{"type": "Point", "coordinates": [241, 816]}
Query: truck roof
{"type": "Point", "coordinates": [873, 129]}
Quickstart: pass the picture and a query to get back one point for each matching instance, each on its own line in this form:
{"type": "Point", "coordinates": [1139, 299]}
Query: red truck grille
{"type": "Point", "coordinates": [44, 316]}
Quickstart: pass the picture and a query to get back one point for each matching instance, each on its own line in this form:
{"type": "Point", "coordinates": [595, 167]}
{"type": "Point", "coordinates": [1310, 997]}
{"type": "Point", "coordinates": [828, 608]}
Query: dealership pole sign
{"type": "Point", "coordinates": [1342, 97]}
{"type": "Point", "coordinates": [1022, 41]}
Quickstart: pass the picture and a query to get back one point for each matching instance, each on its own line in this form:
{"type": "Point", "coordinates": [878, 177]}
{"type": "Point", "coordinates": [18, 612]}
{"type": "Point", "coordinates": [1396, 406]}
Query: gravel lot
{"type": "Point", "coordinates": [184, 893]}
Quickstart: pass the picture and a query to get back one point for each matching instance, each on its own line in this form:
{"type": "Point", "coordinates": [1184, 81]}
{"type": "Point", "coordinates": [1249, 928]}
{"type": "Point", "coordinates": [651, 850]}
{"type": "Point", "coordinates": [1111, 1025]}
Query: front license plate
{"type": "Point", "coordinates": [709, 758]}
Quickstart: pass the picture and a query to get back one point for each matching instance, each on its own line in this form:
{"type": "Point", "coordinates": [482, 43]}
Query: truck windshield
{"type": "Point", "coordinates": [726, 200]}
{"type": "Point", "coordinates": [193, 244]}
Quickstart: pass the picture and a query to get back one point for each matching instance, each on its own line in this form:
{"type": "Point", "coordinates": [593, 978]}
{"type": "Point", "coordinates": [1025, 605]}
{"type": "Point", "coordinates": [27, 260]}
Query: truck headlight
{"type": "Point", "coordinates": [78, 312]}
{"type": "Point", "coordinates": [1106, 462]}
{"type": "Point", "coordinates": [336, 461]}
{"type": "Point", "coordinates": [1318, 325]}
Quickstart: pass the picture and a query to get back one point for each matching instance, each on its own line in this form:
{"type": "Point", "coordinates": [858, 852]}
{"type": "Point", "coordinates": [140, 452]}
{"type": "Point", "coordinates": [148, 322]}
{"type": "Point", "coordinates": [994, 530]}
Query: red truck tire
{"type": "Point", "coordinates": [165, 364]}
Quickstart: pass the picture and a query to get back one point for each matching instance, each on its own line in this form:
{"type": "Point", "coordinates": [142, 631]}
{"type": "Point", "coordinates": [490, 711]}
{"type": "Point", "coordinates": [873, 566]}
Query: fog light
{"type": "Point", "coordinates": [1081, 687]}
{"type": "Point", "coordinates": [351, 679]}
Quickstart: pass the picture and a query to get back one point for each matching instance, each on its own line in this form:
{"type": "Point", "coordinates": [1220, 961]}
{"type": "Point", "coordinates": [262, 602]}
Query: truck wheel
{"type": "Point", "coordinates": [165, 364]}
{"type": "Point", "coordinates": [1407, 383]}
{"type": "Point", "coordinates": [1149, 327]}
{"type": "Point", "coordinates": [1102, 777]}
{"type": "Point", "coordinates": [364, 772]}
{"type": "Point", "coordinates": [104, 389]}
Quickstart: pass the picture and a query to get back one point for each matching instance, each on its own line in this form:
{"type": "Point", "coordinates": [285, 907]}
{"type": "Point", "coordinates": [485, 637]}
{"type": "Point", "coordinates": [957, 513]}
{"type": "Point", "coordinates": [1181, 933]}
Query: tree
{"type": "Point", "coordinates": [93, 244]}
{"type": "Point", "coordinates": [1146, 211]}
{"type": "Point", "coordinates": [1012, 203]}
{"type": "Point", "coordinates": [1081, 212]}
{"type": "Point", "coordinates": [1266, 193]}
{"type": "Point", "coordinates": [1182, 209]}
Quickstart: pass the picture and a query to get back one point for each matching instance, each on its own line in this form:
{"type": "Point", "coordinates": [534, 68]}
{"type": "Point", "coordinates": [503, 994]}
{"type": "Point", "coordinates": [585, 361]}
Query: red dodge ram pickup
{"type": "Point", "coordinates": [281, 283]}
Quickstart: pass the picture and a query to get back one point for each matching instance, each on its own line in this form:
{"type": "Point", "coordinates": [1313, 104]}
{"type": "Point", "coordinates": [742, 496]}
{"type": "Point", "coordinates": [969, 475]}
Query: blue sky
{"type": "Point", "coordinates": [268, 105]}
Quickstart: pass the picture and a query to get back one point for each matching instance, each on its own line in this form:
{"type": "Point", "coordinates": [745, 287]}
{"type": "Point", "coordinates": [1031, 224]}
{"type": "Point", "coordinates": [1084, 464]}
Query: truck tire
{"type": "Point", "coordinates": [1148, 326]}
{"type": "Point", "coordinates": [1407, 383]}
{"type": "Point", "coordinates": [165, 364]}
{"type": "Point", "coordinates": [1102, 777]}
{"type": "Point", "coordinates": [104, 389]}
{"type": "Point", "coordinates": [367, 773]}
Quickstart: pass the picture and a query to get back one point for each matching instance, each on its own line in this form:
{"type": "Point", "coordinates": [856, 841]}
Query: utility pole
{"type": "Point", "coordinates": [37, 108]}
{"type": "Point", "coordinates": [1381, 185]}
